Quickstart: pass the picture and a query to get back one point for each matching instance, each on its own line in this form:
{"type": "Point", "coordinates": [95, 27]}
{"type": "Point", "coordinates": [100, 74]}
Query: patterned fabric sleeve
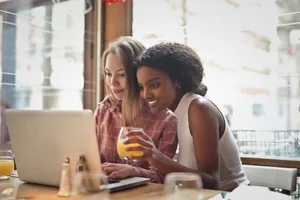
{"type": "Point", "coordinates": [97, 118]}
{"type": "Point", "coordinates": [152, 173]}
{"type": "Point", "coordinates": [168, 142]}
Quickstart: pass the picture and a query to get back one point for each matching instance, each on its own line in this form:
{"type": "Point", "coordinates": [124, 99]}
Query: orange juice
{"type": "Point", "coordinates": [6, 167]}
{"type": "Point", "coordinates": [121, 150]}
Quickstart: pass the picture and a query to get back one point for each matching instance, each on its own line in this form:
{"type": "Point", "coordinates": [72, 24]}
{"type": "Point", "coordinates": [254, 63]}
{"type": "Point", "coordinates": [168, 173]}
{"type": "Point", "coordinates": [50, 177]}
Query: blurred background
{"type": "Point", "coordinates": [50, 53]}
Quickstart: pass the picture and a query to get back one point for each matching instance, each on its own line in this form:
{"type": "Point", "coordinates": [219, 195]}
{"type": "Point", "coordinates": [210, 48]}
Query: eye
{"type": "Point", "coordinates": [123, 75]}
{"type": "Point", "coordinates": [154, 85]}
{"type": "Point", "coordinates": [141, 87]}
{"type": "Point", "coordinates": [108, 74]}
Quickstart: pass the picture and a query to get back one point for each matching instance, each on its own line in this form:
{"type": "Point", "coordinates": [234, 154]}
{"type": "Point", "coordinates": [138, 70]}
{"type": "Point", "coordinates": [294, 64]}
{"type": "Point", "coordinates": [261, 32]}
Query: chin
{"type": "Point", "coordinates": [155, 110]}
{"type": "Point", "coordinates": [118, 97]}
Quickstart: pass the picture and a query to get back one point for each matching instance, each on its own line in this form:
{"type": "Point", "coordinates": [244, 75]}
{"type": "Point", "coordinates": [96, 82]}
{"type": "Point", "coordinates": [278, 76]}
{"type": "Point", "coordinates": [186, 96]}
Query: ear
{"type": "Point", "coordinates": [177, 84]}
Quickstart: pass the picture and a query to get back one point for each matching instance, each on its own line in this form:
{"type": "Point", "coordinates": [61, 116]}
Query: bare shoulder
{"type": "Point", "coordinates": [202, 112]}
{"type": "Point", "coordinates": [203, 107]}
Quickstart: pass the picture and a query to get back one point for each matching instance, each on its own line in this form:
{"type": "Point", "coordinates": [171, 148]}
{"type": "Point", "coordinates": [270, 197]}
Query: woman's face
{"type": "Point", "coordinates": [156, 88]}
{"type": "Point", "coordinates": [115, 77]}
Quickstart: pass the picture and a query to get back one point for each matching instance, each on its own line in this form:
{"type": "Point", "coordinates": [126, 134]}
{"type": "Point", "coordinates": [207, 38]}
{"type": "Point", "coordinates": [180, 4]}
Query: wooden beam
{"type": "Point", "coordinates": [273, 162]}
{"type": "Point", "coordinates": [117, 21]}
{"type": "Point", "coordinates": [92, 56]}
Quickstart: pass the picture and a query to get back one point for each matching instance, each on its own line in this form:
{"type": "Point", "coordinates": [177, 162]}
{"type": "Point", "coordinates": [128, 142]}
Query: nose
{"type": "Point", "coordinates": [114, 81]}
{"type": "Point", "coordinates": [146, 94]}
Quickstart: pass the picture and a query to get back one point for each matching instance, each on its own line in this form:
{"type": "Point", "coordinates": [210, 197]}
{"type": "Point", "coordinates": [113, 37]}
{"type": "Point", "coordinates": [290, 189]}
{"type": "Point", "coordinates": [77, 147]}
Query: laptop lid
{"type": "Point", "coordinates": [41, 139]}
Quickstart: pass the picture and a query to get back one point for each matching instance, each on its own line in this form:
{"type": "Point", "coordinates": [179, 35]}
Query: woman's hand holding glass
{"type": "Point", "coordinates": [122, 146]}
{"type": "Point", "coordinates": [139, 141]}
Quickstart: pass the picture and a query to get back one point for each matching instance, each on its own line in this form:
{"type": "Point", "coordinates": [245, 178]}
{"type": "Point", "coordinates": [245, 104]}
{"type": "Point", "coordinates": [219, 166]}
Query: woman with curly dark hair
{"type": "Point", "coordinates": [170, 76]}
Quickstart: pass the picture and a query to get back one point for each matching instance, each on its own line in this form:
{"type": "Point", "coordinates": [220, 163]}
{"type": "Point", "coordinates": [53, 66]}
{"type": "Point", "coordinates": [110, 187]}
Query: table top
{"type": "Point", "coordinates": [149, 191]}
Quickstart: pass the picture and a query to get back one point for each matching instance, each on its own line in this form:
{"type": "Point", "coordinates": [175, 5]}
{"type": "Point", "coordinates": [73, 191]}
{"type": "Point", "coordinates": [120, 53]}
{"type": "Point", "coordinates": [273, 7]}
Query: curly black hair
{"type": "Point", "coordinates": [179, 61]}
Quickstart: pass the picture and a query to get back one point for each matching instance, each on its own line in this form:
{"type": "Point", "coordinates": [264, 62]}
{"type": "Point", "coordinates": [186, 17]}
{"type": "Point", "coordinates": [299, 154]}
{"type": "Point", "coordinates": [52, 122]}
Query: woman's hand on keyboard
{"type": "Point", "coordinates": [118, 170]}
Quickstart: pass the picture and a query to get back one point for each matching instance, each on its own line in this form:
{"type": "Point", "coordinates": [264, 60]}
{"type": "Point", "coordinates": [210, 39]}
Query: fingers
{"type": "Point", "coordinates": [140, 141]}
{"type": "Point", "coordinates": [144, 157]}
{"type": "Point", "coordinates": [108, 168]}
{"type": "Point", "coordinates": [113, 175]}
{"type": "Point", "coordinates": [139, 148]}
{"type": "Point", "coordinates": [105, 164]}
{"type": "Point", "coordinates": [138, 134]}
{"type": "Point", "coordinates": [141, 158]}
{"type": "Point", "coordinates": [117, 174]}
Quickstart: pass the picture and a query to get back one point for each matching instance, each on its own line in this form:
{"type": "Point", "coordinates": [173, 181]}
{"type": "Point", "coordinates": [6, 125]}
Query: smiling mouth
{"type": "Point", "coordinates": [117, 91]}
{"type": "Point", "coordinates": [151, 103]}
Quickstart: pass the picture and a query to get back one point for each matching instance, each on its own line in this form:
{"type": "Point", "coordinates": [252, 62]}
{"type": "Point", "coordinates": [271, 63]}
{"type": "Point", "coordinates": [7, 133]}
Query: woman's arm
{"type": "Point", "coordinates": [204, 126]}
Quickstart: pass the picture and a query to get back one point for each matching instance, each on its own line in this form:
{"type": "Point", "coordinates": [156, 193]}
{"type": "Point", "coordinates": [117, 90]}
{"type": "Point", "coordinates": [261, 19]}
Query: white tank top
{"type": "Point", "coordinates": [231, 172]}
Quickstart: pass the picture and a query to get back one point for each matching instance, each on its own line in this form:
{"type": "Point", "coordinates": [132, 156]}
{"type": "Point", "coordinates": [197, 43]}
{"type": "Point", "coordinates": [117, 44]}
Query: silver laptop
{"type": "Point", "coordinates": [41, 139]}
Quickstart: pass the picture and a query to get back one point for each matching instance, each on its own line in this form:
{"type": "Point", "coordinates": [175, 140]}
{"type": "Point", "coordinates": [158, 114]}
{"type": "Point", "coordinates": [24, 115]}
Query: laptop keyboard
{"type": "Point", "coordinates": [113, 180]}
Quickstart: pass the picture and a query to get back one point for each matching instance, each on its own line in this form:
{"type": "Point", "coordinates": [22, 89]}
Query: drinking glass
{"type": "Point", "coordinates": [180, 185]}
{"type": "Point", "coordinates": [89, 184]}
{"type": "Point", "coordinates": [6, 163]}
{"type": "Point", "coordinates": [121, 146]}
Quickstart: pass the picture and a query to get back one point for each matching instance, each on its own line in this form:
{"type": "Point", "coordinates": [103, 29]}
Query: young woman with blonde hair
{"type": "Point", "coordinates": [116, 111]}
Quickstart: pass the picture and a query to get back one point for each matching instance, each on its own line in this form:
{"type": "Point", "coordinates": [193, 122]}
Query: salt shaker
{"type": "Point", "coordinates": [79, 176]}
{"type": "Point", "coordinates": [65, 180]}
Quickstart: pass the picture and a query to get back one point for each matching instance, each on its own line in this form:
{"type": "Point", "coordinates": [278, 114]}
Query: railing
{"type": "Point", "coordinates": [283, 143]}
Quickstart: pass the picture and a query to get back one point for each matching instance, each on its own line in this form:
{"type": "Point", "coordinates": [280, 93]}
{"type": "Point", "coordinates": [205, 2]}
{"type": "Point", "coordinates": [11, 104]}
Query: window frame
{"type": "Point", "coordinates": [271, 161]}
{"type": "Point", "coordinates": [92, 51]}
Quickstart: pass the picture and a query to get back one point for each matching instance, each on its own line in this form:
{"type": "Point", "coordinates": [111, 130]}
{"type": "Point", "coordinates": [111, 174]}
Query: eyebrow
{"type": "Point", "coordinates": [152, 79]}
{"type": "Point", "coordinates": [116, 71]}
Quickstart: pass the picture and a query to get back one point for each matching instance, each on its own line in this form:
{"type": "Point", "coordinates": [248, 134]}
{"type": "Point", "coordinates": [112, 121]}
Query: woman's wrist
{"type": "Point", "coordinates": [153, 160]}
{"type": "Point", "coordinates": [136, 172]}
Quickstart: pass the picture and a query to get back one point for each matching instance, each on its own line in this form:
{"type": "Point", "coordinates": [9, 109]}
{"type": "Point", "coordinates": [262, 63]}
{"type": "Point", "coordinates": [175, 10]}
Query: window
{"type": "Point", "coordinates": [280, 109]}
{"type": "Point", "coordinates": [227, 112]}
{"type": "Point", "coordinates": [43, 62]}
{"type": "Point", "coordinates": [257, 60]}
{"type": "Point", "coordinates": [257, 109]}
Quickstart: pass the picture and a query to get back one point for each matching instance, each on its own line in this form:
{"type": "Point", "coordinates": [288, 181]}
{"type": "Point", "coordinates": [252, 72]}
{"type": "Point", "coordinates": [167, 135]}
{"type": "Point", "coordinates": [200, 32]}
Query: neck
{"type": "Point", "coordinates": [175, 103]}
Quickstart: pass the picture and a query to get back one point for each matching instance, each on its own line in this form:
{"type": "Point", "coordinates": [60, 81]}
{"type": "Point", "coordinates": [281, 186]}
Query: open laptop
{"type": "Point", "coordinates": [42, 139]}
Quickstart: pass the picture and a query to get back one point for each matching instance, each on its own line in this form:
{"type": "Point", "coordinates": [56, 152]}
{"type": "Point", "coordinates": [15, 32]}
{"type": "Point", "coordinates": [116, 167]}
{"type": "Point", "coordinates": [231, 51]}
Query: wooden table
{"type": "Point", "coordinates": [32, 191]}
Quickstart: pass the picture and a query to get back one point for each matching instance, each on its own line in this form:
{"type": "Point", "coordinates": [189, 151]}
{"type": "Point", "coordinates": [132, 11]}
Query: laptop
{"type": "Point", "coordinates": [42, 139]}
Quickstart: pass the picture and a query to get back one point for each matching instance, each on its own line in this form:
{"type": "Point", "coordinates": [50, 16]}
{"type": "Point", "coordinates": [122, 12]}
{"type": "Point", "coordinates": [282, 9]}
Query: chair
{"type": "Point", "coordinates": [272, 177]}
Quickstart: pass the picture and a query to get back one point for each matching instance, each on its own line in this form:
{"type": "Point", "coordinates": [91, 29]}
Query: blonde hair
{"type": "Point", "coordinates": [127, 49]}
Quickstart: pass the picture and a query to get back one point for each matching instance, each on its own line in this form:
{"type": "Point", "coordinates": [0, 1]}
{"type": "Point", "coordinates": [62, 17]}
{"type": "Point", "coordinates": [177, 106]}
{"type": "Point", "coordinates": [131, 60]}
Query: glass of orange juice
{"type": "Point", "coordinates": [6, 163]}
{"type": "Point", "coordinates": [121, 146]}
